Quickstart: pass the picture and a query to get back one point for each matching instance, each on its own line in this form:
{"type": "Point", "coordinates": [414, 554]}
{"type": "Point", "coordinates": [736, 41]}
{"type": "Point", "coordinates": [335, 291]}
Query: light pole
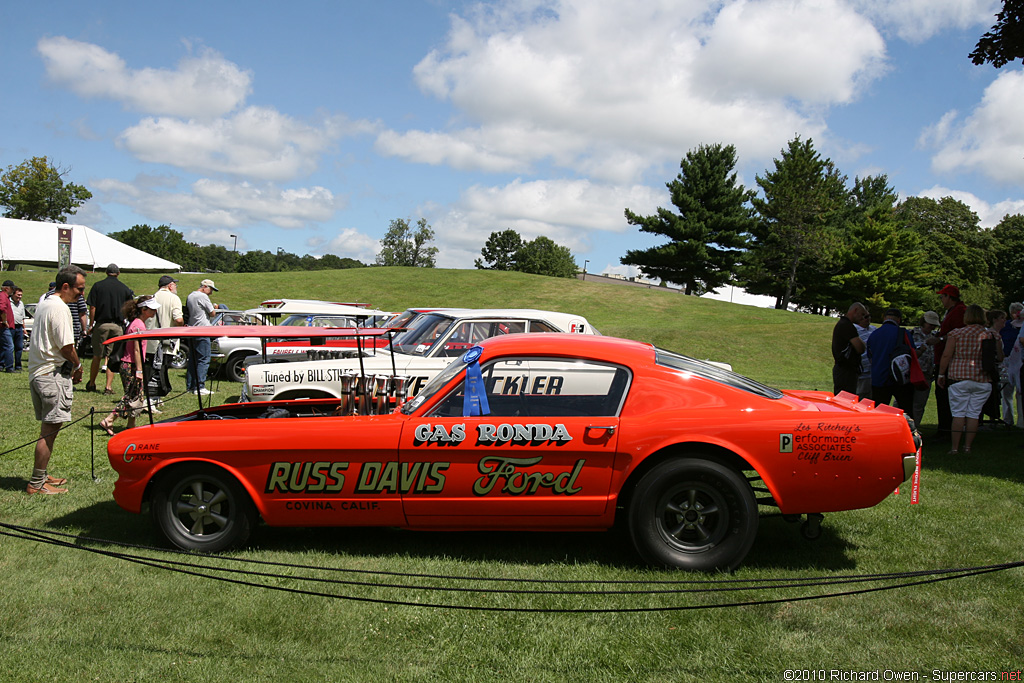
{"type": "Point", "coordinates": [234, 249]}
{"type": "Point", "coordinates": [585, 262]}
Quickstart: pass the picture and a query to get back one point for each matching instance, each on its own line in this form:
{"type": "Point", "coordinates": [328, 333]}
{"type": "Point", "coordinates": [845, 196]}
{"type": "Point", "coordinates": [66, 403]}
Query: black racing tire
{"type": "Point", "coordinates": [179, 359]}
{"type": "Point", "coordinates": [235, 367]}
{"type": "Point", "coordinates": [694, 514]}
{"type": "Point", "coordinates": [201, 507]}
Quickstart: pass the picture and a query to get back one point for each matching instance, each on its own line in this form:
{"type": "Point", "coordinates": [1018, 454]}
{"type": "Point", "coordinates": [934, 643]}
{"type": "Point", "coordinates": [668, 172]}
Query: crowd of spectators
{"type": "Point", "coordinates": [63, 333]}
{"type": "Point", "coordinates": [971, 356]}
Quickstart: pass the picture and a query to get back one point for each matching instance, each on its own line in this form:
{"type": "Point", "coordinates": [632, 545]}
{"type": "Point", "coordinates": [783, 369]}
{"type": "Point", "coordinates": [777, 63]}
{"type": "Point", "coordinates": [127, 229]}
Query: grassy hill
{"type": "Point", "coordinates": [703, 328]}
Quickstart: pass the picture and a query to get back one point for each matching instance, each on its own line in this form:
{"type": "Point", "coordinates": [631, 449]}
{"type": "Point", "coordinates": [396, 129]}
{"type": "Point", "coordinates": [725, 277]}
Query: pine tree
{"type": "Point", "coordinates": [709, 230]}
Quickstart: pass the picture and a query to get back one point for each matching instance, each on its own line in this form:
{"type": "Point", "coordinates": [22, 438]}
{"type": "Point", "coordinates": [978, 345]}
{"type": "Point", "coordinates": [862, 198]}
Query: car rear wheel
{"type": "Point", "coordinates": [201, 507]}
{"type": "Point", "coordinates": [179, 359]}
{"type": "Point", "coordinates": [694, 514]}
{"type": "Point", "coordinates": [236, 367]}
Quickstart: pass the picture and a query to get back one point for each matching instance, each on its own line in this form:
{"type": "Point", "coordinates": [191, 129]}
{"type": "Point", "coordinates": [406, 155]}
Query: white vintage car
{"type": "Point", "coordinates": [230, 353]}
{"type": "Point", "coordinates": [422, 351]}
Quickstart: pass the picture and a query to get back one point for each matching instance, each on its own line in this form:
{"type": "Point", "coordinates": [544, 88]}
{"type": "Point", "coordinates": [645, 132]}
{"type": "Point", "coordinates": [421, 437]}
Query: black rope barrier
{"type": "Point", "coordinates": [922, 577]}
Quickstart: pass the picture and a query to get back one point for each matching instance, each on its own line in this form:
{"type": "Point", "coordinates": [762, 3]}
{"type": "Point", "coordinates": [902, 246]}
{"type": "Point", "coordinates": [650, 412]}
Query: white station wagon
{"type": "Point", "coordinates": [423, 350]}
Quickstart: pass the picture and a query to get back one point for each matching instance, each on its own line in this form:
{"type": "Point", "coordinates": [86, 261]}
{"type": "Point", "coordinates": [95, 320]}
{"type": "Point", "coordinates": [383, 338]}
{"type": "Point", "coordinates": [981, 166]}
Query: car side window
{"type": "Point", "coordinates": [541, 326]}
{"type": "Point", "coordinates": [546, 388]}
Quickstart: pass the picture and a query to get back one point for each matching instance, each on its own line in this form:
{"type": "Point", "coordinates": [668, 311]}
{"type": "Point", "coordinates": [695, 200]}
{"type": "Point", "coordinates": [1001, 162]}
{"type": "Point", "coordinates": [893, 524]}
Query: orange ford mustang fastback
{"type": "Point", "coordinates": [524, 432]}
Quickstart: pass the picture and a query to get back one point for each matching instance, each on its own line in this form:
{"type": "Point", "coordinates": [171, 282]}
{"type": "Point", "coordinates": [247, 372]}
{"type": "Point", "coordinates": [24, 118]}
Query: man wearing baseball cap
{"type": "Point", "coordinates": [199, 310]}
{"type": "Point", "coordinates": [170, 314]}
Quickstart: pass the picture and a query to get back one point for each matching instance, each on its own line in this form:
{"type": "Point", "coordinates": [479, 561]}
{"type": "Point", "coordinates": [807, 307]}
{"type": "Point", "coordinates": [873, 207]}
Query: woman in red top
{"type": "Point", "coordinates": [131, 404]}
{"type": "Point", "coordinates": [962, 371]}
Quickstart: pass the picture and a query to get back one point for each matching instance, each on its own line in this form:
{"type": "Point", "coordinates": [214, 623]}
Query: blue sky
{"type": "Point", "coordinates": [309, 126]}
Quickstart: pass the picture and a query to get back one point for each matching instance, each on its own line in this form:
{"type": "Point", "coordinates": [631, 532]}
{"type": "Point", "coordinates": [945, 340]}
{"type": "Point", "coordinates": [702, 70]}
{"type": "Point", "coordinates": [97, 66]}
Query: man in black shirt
{"type": "Point", "coordinates": [847, 348]}
{"type": "Point", "coordinates": [105, 301]}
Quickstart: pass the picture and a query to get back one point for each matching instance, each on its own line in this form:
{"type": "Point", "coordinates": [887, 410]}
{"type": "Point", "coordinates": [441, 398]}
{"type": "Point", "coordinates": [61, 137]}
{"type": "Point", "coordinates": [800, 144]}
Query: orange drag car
{"type": "Point", "coordinates": [527, 432]}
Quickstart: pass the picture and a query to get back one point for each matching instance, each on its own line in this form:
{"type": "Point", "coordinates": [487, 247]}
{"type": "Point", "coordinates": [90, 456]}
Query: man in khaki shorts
{"type": "Point", "coordinates": [53, 367]}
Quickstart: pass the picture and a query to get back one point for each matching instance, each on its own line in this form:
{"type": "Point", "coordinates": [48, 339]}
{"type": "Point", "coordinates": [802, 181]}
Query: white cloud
{"type": "Point", "coordinates": [573, 213]}
{"type": "Point", "coordinates": [212, 204]}
{"type": "Point", "coordinates": [200, 123]}
{"type": "Point", "coordinates": [221, 236]}
{"type": "Point", "coordinates": [917, 20]}
{"type": "Point", "coordinates": [257, 142]}
{"type": "Point", "coordinates": [613, 89]}
{"type": "Point", "coordinates": [203, 85]}
{"type": "Point", "coordinates": [816, 51]}
{"type": "Point", "coordinates": [350, 243]}
{"type": "Point", "coordinates": [989, 214]}
{"type": "Point", "coordinates": [990, 140]}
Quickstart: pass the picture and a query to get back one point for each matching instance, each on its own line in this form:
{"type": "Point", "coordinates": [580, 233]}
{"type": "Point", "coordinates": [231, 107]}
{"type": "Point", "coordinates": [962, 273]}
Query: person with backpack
{"type": "Point", "coordinates": [131, 357]}
{"type": "Point", "coordinates": [962, 371]}
{"type": "Point", "coordinates": [889, 347]}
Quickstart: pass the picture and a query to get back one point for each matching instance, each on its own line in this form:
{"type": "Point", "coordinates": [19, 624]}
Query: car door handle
{"type": "Point", "coordinates": [608, 428]}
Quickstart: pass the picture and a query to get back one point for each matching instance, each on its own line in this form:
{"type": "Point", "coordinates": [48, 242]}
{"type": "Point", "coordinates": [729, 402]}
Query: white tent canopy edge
{"type": "Point", "coordinates": [35, 243]}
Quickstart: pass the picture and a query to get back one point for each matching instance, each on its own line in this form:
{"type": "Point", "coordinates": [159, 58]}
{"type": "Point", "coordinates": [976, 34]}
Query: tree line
{"type": "Point", "coordinates": [813, 240]}
{"type": "Point", "coordinates": [35, 190]}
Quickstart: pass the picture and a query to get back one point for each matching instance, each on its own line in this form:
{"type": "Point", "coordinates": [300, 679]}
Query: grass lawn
{"type": "Point", "coordinates": [70, 614]}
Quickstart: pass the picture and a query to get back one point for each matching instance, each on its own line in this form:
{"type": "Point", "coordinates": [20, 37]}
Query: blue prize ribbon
{"type": "Point", "coordinates": [475, 392]}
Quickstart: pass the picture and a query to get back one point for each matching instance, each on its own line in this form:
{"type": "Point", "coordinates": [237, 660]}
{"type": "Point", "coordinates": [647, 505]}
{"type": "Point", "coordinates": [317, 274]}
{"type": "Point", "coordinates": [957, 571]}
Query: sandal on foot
{"type": "Point", "coordinates": [109, 428]}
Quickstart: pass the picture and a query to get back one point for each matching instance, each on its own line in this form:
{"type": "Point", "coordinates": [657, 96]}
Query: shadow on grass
{"type": "Point", "coordinates": [13, 483]}
{"type": "Point", "coordinates": [779, 544]}
{"type": "Point", "coordinates": [997, 453]}
{"type": "Point", "coordinates": [107, 521]}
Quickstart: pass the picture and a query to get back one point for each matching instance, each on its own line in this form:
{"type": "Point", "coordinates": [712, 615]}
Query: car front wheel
{"type": "Point", "coordinates": [236, 367]}
{"type": "Point", "coordinates": [694, 514]}
{"type": "Point", "coordinates": [201, 507]}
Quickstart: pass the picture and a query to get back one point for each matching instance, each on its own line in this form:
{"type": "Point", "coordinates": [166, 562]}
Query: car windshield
{"type": "Point", "coordinates": [435, 384]}
{"type": "Point", "coordinates": [233, 318]}
{"type": "Point", "coordinates": [713, 372]}
{"type": "Point", "coordinates": [402, 319]}
{"type": "Point", "coordinates": [422, 333]}
{"type": "Point", "coordinates": [300, 320]}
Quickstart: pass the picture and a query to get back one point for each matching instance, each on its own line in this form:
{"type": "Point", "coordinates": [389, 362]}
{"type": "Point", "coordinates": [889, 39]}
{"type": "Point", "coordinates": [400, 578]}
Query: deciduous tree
{"type": "Point", "coordinates": [543, 257]}
{"type": "Point", "coordinates": [35, 190]}
{"type": "Point", "coordinates": [256, 261]}
{"type": "Point", "coordinates": [709, 228]}
{"type": "Point", "coordinates": [162, 241]}
{"type": "Point", "coordinates": [1004, 42]}
{"type": "Point", "coordinates": [499, 252]}
{"type": "Point", "coordinates": [1008, 264]}
{"type": "Point", "coordinates": [957, 250]}
{"type": "Point", "coordinates": [404, 246]}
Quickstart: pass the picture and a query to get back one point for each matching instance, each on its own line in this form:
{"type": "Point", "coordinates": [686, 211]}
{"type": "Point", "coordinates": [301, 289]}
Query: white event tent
{"type": "Point", "coordinates": [34, 243]}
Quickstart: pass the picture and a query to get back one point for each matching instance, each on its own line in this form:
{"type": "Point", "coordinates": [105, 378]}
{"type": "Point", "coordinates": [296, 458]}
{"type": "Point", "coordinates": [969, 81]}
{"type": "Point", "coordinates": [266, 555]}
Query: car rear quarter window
{"type": "Point", "coordinates": [713, 373]}
{"type": "Point", "coordinates": [541, 326]}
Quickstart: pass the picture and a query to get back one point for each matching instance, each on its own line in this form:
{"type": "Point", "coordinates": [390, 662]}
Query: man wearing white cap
{"type": "Point", "coordinates": [199, 310]}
